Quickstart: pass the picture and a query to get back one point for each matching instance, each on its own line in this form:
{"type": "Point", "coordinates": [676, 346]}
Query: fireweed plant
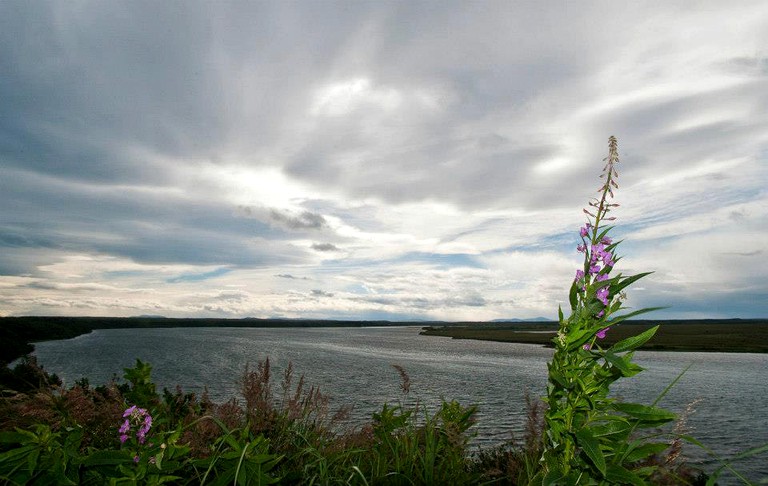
{"type": "Point", "coordinates": [590, 438]}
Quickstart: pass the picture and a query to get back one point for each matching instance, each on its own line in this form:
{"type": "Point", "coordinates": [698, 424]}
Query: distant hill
{"type": "Point", "coordinates": [533, 319]}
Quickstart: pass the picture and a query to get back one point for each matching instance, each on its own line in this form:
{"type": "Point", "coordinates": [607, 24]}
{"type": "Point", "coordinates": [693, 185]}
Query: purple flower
{"type": "Point", "coordinates": [601, 333]}
{"type": "Point", "coordinates": [579, 275]}
{"type": "Point", "coordinates": [602, 277]}
{"type": "Point", "coordinates": [602, 295]}
{"type": "Point", "coordinates": [594, 269]}
{"type": "Point", "coordinates": [608, 259]}
{"type": "Point", "coordinates": [585, 230]}
{"type": "Point", "coordinates": [587, 347]}
{"type": "Point", "coordinates": [136, 459]}
{"type": "Point", "coordinates": [581, 248]}
{"type": "Point", "coordinates": [606, 240]}
{"type": "Point", "coordinates": [136, 416]}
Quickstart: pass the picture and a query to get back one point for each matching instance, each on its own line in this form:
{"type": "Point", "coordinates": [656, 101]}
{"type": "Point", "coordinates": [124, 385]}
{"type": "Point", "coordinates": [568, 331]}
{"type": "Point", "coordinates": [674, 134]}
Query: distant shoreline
{"type": "Point", "coordinates": [17, 334]}
{"type": "Point", "coordinates": [705, 335]}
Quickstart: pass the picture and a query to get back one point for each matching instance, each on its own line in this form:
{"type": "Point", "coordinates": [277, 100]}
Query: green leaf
{"type": "Point", "coordinates": [107, 458]}
{"type": "Point", "coordinates": [12, 438]}
{"type": "Point", "coordinates": [645, 413]}
{"type": "Point", "coordinates": [573, 296]}
{"type": "Point", "coordinates": [629, 281]}
{"type": "Point", "coordinates": [634, 342]}
{"type": "Point", "coordinates": [646, 450]}
{"type": "Point", "coordinates": [623, 364]}
{"type": "Point", "coordinates": [617, 474]}
{"type": "Point", "coordinates": [615, 429]}
{"type": "Point", "coordinates": [618, 319]}
{"type": "Point", "coordinates": [591, 447]}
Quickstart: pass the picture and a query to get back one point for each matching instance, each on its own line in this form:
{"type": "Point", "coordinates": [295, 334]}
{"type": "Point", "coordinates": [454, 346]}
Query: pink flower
{"type": "Point", "coordinates": [123, 438]}
{"type": "Point", "coordinates": [602, 295]}
{"type": "Point", "coordinates": [579, 275]}
{"type": "Point", "coordinates": [601, 333]}
{"type": "Point", "coordinates": [587, 347]}
{"type": "Point", "coordinates": [585, 230]}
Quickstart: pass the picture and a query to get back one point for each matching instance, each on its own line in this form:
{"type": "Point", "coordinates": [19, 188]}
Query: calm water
{"type": "Point", "coordinates": [353, 365]}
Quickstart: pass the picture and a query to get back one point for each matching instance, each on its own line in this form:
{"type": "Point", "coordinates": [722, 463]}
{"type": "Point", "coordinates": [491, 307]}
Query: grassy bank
{"type": "Point", "coordinates": [728, 335]}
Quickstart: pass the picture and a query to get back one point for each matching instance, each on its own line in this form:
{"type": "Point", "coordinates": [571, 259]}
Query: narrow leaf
{"type": "Point", "coordinates": [619, 475]}
{"type": "Point", "coordinates": [591, 447]}
{"type": "Point", "coordinates": [634, 342]}
{"type": "Point", "coordinates": [645, 413]}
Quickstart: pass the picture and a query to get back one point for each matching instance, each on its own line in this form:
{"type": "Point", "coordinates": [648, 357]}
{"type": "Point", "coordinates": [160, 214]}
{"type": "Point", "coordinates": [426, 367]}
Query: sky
{"type": "Point", "coordinates": [401, 160]}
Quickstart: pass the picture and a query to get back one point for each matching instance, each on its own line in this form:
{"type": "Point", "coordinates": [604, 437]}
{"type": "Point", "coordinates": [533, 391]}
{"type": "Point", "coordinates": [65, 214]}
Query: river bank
{"type": "Point", "coordinates": [715, 335]}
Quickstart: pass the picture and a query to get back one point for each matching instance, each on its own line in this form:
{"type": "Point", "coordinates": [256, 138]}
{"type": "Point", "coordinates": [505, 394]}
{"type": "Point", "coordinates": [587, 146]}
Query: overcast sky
{"type": "Point", "coordinates": [377, 159]}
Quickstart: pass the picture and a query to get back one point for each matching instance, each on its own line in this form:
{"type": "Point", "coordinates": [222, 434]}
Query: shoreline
{"type": "Point", "coordinates": [721, 335]}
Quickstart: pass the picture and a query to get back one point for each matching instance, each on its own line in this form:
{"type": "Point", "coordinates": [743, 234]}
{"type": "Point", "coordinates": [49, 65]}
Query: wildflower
{"type": "Point", "coordinates": [601, 333]}
{"type": "Point", "coordinates": [602, 277]}
{"type": "Point", "coordinates": [602, 295]}
{"type": "Point", "coordinates": [593, 269]}
{"type": "Point", "coordinates": [606, 240]}
{"type": "Point", "coordinates": [587, 347]}
{"type": "Point", "coordinates": [139, 417]}
{"type": "Point", "coordinates": [581, 248]}
{"type": "Point", "coordinates": [579, 275]}
{"type": "Point", "coordinates": [584, 231]}
{"type": "Point", "coordinates": [129, 411]}
{"type": "Point", "coordinates": [136, 459]}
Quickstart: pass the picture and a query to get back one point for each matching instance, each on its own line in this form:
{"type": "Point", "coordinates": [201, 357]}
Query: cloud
{"type": "Point", "coordinates": [304, 220]}
{"type": "Point", "coordinates": [324, 247]}
{"type": "Point", "coordinates": [407, 160]}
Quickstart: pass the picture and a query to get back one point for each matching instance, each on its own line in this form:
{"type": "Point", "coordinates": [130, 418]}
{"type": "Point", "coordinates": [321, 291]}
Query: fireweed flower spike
{"type": "Point", "coordinates": [584, 439]}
